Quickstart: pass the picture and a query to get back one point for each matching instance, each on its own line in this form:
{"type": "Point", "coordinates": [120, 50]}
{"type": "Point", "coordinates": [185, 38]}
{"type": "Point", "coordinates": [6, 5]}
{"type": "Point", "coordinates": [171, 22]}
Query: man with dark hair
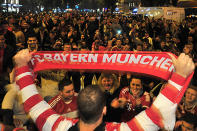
{"type": "Point", "coordinates": [160, 115]}
{"type": "Point", "coordinates": [118, 46]}
{"type": "Point", "coordinates": [65, 103]}
{"type": "Point", "coordinates": [133, 99]}
{"type": "Point", "coordinates": [67, 47]}
{"type": "Point", "coordinates": [32, 42]}
{"type": "Point", "coordinates": [91, 105]}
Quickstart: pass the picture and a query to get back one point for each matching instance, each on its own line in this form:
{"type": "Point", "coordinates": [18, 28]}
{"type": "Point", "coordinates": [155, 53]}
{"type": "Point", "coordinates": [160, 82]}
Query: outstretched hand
{"type": "Point", "coordinates": [22, 57]}
{"type": "Point", "coordinates": [184, 65]}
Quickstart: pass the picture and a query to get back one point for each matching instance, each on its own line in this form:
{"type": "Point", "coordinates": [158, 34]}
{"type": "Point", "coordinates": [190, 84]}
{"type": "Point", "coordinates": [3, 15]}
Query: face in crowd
{"type": "Point", "coordinates": [32, 43]}
{"type": "Point", "coordinates": [24, 24]}
{"type": "Point", "coordinates": [190, 95]}
{"type": "Point", "coordinates": [119, 43]}
{"type": "Point", "coordinates": [67, 47]}
{"type": "Point", "coordinates": [163, 44]}
{"type": "Point", "coordinates": [107, 83]}
{"type": "Point", "coordinates": [136, 87]}
{"type": "Point", "coordinates": [139, 47]}
{"type": "Point", "coordinates": [67, 93]}
{"type": "Point", "coordinates": [188, 48]}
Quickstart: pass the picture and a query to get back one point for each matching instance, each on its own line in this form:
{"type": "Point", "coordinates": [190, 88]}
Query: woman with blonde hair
{"type": "Point", "coordinates": [109, 84]}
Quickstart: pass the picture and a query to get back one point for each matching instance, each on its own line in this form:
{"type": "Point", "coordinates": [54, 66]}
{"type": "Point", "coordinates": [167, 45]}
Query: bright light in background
{"type": "Point", "coordinates": [42, 8]}
{"type": "Point", "coordinates": [77, 6]}
{"type": "Point", "coordinates": [135, 10]}
{"type": "Point", "coordinates": [117, 9]}
{"type": "Point", "coordinates": [11, 6]}
{"type": "Point", "coordinates": [148, 9]}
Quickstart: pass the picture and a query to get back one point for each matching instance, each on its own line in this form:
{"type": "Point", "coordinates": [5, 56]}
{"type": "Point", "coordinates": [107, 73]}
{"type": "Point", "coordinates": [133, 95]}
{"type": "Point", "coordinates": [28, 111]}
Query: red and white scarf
{"type": "Point", "coordinates": [156, 64]}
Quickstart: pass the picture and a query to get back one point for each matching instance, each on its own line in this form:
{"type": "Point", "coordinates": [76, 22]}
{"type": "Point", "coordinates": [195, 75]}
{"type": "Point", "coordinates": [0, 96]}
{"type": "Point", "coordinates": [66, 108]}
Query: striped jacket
{"type": "Point", "coordinates": [160, 115]}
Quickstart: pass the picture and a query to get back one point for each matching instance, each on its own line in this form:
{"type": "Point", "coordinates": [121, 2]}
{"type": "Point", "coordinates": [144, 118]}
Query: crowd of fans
{"type": "Point", "coordinates": [126, 94]}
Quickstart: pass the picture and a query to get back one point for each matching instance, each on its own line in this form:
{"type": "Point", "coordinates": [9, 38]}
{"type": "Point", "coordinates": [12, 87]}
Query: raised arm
{"type": "Point", "coordinates": [162, 112]}
{"type": "Point", "coordinates": [42, 114]}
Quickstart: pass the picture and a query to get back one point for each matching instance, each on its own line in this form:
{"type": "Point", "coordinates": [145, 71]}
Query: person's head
{"type": "Point", "coordinates": [63, 32]}
{"type": "Point", "coordinates": [118, 43]}
{"type": "Point", "coordinates": [162, 44]}
{"type": "Point", "coordinates": [188, 122]}
{"type": "Point", "coordinates": [191, 94]}
{"type": "Point", "coordinates": [157, 39]}
{"type": "Point", "coordinates": [139, 47]}
{"type": "Point", "coordinates": [168, 35]}
{"type": "Point", "coordinates": [83, 43]}
{"type": "Point", "coordinates": [145, 44]}
{"type": "Point", "coordinates": [62, 23]}
{"type": "Point", "coordinates": [32, 42]}
{"type": "Point", "coordinates": [24, 24]}
{"type": "Point", "coordinates": [109, 43]}
{"type": "Point", "coordinates": [96, 44]}
{"type": "Point", "coordinates": [67, 47]}
{"type": "Point", "coordinates": [74, 47]}
{"type": "Point", "coordinates": [52, 34]}
{"type": "Point", "coordinates": [136, 87]}
{"type": "Point", "coordinates": [136, 34]}
{"type": "Point", "coordinates": [55, 21]}
{"type": "Point", "coordinates": [66, 89]}
{"type": "Point", "coordinates": [190, 39]}
{"type": "Point", "coordinates": [91, 104]}
{"type": "Point", "coordinates": [146, 35]}
{"type": "Point", "coordinates": [105, 38]}
{"type": "Point", "coordinates": [4, 25]}
{"type": "Point", "coordinates": [126, 41]}
{"type": "Point", "coordinates": [82, 36]}
{"type": "Point", "coordinates": [32, 20]}
{"type": "Point", "coordinates": [2, 41]}
{"type": "Point", "coordinates": [11, 20]}
{"type": "Point", "coordinates": [188, 48]}
{"type": "Point", "coordinates": [108, 82]}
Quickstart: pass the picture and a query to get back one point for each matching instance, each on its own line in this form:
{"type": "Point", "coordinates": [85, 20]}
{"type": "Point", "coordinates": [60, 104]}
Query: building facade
{"type": "Point", "coordinates": [11, 5]}
{"type": "Point", "coordinates": [128, 5]}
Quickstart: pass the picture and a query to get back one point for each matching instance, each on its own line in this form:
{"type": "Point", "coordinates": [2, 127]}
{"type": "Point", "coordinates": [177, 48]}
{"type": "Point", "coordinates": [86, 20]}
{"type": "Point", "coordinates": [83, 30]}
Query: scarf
{"type": "Point", "coordinates": [155, 64]}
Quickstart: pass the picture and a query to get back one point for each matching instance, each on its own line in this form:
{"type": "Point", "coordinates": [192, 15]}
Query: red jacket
{"type": "Point", "coordinates": [130, 111]}
{"type": "Point", "coordinates": [66, 109]}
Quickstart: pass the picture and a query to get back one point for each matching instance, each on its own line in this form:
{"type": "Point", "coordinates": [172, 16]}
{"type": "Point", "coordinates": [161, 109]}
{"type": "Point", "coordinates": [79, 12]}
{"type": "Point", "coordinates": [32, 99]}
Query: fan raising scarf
{"type": "Point", "coordinates": [156, 64]}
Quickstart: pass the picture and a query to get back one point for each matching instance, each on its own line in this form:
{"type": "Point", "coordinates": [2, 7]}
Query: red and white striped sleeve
{"type": "Point", "coordinates": [162, 112]}
{"type": "Point", "coordinates": [42, 114]}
